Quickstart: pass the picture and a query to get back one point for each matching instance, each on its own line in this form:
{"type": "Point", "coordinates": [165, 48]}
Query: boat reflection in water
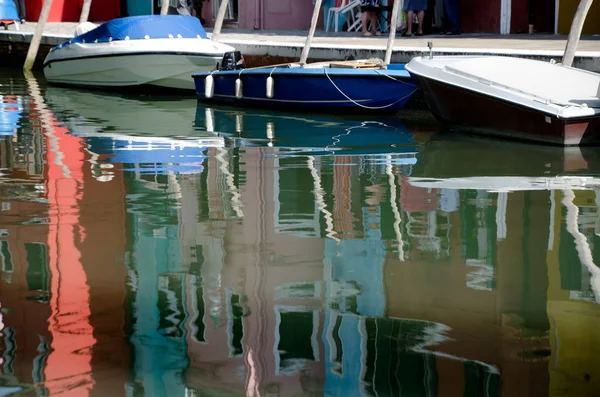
{"type": "Point", "coordinates": [158, 139]}
{"type": "Point", "coordinates": [305, 256]}
{"type": "Point", "coordinates": [294, 134]}
{"type": "Point", "coordinates": [11, 108]}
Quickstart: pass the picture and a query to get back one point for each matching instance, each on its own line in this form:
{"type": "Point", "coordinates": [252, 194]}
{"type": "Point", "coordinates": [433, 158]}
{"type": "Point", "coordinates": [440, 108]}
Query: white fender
{"type": "Point", "coordinates": [238, 88]}
{"type": "Point", "coordinates": [270, 87]}
{"type": "Point", "coordinates": [270, 132]}
{"type": "Point", "coordinates": [239, 123]}
{"type": "Point", "coordinates": [209, 113]}
{"type": "Point", "coordinates": [209, 86]}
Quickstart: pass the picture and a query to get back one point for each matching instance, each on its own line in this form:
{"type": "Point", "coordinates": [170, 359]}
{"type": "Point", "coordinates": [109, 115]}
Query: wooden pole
{"type": "Point", "coordinates": [392, 36]}
{"type": "Point", "coordinates": [85, 11]}
{"type": "Point", "coordinates": [164, 7]}
{"type": "Point", "coordinates": [220, 17]}
{"type": "Point", "coordinates": [575, 31]}
{"type": "Point", "coordinates": [311, 32]}
{"type": "Point", "coordinates": [37, 36]}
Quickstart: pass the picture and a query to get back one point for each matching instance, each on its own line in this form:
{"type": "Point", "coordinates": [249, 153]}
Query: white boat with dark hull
{"type": "Point", "coordinates": [155, 50]}
{"type": "Point", "coordinates": [513, 97]}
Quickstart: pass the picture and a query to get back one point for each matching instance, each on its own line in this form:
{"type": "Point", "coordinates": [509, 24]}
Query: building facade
{"type": "Point", "coordinates": [493, 16]}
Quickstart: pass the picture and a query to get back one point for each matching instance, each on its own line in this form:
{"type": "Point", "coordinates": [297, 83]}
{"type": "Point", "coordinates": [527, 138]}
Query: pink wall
{"type": "Point", "coordinates": [274, 14]}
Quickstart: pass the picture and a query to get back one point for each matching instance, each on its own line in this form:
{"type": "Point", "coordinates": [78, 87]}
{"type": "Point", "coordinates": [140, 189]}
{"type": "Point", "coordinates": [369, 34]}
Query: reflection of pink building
{"type": "Point", "coordinates": [63, 325]}
{"type": "Point", "coordinates": [23, 291]}
{"type": "Point", "coordinates": [261, 332]}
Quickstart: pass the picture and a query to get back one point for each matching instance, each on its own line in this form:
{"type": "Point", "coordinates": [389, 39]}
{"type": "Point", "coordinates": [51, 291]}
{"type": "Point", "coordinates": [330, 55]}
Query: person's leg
{"type": "Point", "coordinates": [451, 11]}
{"type": "Point", "coordinates": [364, 19]}
{"type": "Point", "coordinates": [21, 10]}
{"type": "Point", "coordinates": [410, 17]}
{"type": "Point", "coordinates": [420, 17]}
{"type": "Point", "coordinates": [373, 19]}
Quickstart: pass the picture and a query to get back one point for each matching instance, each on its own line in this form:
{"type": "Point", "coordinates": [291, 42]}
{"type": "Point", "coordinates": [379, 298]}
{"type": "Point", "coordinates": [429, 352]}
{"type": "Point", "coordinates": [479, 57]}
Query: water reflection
{"type": "Point", "coordinates": [157, 247]}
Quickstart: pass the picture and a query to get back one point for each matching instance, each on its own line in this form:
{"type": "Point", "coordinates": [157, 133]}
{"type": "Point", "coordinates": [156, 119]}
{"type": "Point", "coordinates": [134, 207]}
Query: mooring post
{"type": "Point", "coordinates": [219, 22]}
{"type": "Point", "coordinates": [311, 32]}
{"type": "Point", "coordinates": [85, 11]}
{"type": "Point", "coordinates": [575, 31]}
{"type": "Point", "coordinates": [37, 36]}
{"type": "Point", "coordinates": [164, 7]}
{"type": "Point", "coordinates": [392, 36]}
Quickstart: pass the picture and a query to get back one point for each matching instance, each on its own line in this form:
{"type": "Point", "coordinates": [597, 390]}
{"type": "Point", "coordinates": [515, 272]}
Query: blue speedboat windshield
{"type": "Point", "coordinates": [142, 28]}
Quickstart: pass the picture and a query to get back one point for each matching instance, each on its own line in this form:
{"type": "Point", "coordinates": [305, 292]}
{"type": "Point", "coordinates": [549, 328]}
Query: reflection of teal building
{"type": "Point", "coordinates": [356, 270]}
{"type": "Point", "coordinates": [158, 335]}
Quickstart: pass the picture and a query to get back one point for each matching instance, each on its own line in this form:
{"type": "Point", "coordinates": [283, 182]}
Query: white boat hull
{"type": "Point", "coordinates": [167, 63]}
{"type": "Point", "coordinates": [512, 97]}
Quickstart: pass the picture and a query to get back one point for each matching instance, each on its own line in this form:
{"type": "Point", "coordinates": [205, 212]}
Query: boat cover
{"type": "Point", "coordinates": [142, 27]}
{"type": "Point", "coordinates": [8, 11]}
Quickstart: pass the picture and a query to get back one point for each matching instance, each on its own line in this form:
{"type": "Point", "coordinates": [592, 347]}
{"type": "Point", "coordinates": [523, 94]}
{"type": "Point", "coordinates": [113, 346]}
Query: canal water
{"type": "Point", "coordinates": [154, 246]}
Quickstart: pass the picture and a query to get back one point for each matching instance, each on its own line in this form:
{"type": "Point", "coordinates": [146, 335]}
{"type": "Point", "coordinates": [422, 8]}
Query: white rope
{"type": "Point", "coordinates": [364, 106]}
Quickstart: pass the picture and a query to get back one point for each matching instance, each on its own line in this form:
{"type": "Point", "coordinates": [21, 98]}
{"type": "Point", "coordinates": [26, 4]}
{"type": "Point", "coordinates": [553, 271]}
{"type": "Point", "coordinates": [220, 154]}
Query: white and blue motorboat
{"type": "Point", "coordinates": [154, 50]}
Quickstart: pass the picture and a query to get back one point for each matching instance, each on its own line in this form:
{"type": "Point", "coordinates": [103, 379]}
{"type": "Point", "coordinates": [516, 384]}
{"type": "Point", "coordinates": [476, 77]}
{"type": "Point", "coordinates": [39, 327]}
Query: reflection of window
{"type": "Point", "coordinates": [198, 325]}
{"type": "Point", "coordinates": [5, 257]}
{"type": "Point", "coordinates": [295, 209]}
{"type": "Point", "coordinates": [479, 381]}
{"type": "Point", "coordinates": [298, 291]}
{"type": "Point", "coordinates": [170, 305]}
{"type": "Point", "coordinates": [39, 363]}
{"type": "Point", "coordinates": [38, 275]}
{"type": "Point", "coordinates": [391, 366]}
{"type": "Point", "coordinates": [343, 296]}
{"type": "Point", "coordinates": [235, 324]}
{"type": "Point", "coordinates": [10, 349]}
{"type": "Point", "coordinates": [197, 295]}
{"type": "Point", "coordinates": [134, 389]}
{"type": "Point", "coordinates": [295, 339]}
{"type": "Point", "coordinates": [335, 344]}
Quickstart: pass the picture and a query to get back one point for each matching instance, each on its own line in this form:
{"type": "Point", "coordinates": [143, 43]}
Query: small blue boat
{"type": "Point", "coordinates": [325, 86]}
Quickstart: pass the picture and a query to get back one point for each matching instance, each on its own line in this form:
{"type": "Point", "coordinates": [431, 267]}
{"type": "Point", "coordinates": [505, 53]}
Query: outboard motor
{"type": "Point", "coordinates": [232, 60]}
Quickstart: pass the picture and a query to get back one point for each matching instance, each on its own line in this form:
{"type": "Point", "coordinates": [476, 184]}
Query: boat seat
{"type": "Point", "coordinates": [356, 65]}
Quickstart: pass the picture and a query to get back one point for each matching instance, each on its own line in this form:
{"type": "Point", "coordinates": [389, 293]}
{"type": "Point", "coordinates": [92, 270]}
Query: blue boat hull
{"type": "Point", "coordinates": [373, 90]}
